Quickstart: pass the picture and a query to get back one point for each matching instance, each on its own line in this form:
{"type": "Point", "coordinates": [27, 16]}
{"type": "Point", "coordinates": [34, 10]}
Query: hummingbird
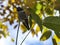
{"type": "Point", "coordinates": [23, 17]}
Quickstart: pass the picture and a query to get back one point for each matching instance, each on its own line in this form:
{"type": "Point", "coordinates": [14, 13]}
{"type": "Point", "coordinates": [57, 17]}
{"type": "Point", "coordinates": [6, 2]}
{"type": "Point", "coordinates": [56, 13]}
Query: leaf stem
{"type": "Point", "coordinates": [25, 37]}
{"type": "Point", "coordinates": [17, 33]}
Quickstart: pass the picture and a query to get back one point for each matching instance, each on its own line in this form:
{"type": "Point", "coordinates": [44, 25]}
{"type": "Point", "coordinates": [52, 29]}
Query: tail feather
{"type": "Point", "coordinates": [26, 24]}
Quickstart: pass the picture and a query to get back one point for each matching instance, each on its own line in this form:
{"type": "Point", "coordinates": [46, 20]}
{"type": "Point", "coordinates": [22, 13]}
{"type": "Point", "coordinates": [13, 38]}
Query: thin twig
{"type": "Point", "coordinates": [25, 37]}
{"type": "Point", "coordinates": [17, 33]}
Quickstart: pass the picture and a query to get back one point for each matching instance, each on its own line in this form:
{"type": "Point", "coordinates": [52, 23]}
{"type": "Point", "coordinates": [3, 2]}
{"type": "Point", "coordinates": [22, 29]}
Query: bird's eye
{"type": "Point", "coordinates": [19, 9]}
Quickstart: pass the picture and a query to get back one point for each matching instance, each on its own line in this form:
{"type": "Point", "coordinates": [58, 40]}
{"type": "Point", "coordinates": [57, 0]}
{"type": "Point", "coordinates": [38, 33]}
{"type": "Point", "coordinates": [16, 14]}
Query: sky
{"type": "Point", "coordinates": [28, 41]}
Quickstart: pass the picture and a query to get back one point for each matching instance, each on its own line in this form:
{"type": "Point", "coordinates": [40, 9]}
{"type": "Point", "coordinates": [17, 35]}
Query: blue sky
{"type": "Point", "coordinates": [29, 40]}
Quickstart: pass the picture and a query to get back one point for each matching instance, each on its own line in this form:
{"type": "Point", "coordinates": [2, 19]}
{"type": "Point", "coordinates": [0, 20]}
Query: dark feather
{"type": "Point", "coordinates": [26, 24]}
{"type": "Point", "coordinates": [23, 17]}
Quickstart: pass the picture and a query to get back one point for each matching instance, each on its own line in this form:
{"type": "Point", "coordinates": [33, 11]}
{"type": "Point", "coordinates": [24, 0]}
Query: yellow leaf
{"type": "Point", "coordinates": [23, 28]}
{"type": "Point", "coordinates": [45, 29]}
{"type": "Point", "coordinates": [15, 10]}
{"type": "Point", "coordinates": [2, 32]}
{"type": "Point", "coordinates": [37, 11]}
{"type": "Point", "coordinates": [57, 39]}
{"type": "Point", "coordinates": [0, 24]}
{"type": "Point", "coordinates": [11, 1]}
{"type": "Point", "coordinates": [53, 1]}
{"type": "Point", "coordinates": [33, 32]}
{"type": "Point", "coordinates": [25, 1]}
{"type": "Point", "coordinates": [39, 6]}
{"type": "Point", "coordinates": [33, 24]}
{"type": "Point", "coordinates": [11, 20]}
{"type": "Point", "coordinates": [46, 35]}
{"type": "Point", "coordinates": [4, 28]}
{"type": "Point", "coordinates": [16, 16]}
{"type": "Point", "coordinates": [44, 38]}
{"type": "Point", "coordinates": [37, 29]}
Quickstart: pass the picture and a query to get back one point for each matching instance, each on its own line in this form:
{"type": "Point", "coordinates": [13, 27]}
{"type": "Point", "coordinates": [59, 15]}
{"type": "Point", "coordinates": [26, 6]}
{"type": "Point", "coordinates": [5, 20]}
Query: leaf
{"type": "Point", "coordinates": [38, 12]}
{"type": "Point", "coordinates": [13, 1]}
{"type": "Point", "coordinates": [2, 32]}
{"type": "Point", "coordinates": [33, 32]}
{"type": "Point", "coordinates": [58, 34]}
{"type": "Point", "coordinates": [56, 38]}
{"type": "Point", "coordinates": [49, 11]}
{"type": "Point", "coordinates": [12, 39]}
{"type": "Point", "coordinates": [57, 5]}
{"type": "Point", "coordinates": [11, 21]}
{"type": "Point", "coordinates": [30, 3]}
{"type": "Point", "coordinates": [0, 36]}
{"type": "Point", "coordinates": [31, 22]}
{"type": "Point", "coordinates": [36, 18]}
{"type": "Point", "coordinates": [23, 28]}
{"type": "Point", "coordinates": [4, 27]}
{"type": "Point", "coordinates": [54, 42]}
{"type": "Point", "coordinates": [59, 0]}
{"type": "Point", "coordinates": [53, 22]}
{"type": "Point", "coordinates": [15, 26]}
{"type": "Point", "coordinates": [39, 6]}
{"type": "Point", "coordinates": [45, 35]}
{"type": "Point", "coordinates": [37, 29]}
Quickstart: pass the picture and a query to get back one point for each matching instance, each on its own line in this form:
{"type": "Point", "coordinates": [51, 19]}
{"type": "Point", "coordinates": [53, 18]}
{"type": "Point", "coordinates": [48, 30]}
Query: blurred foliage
{"type": "Point", "coordinates": [3, 30]}
{"type": "Point", "coordinates": [54, 42]}
{"type": "Point", "coordinates": [57, 39]}
{"type": "Point", "coordinates": [46, 35]}
{"type": "Point", "coordinates": [53, 22]}
{"type": "Point", "coordinates": [23, 28]}
{"type": "Point", "coordinates": [35, 10]}
{"type": "Point", "coordinates": [12, 39]}
{"type": "Point", "coordinates": [37, 29]}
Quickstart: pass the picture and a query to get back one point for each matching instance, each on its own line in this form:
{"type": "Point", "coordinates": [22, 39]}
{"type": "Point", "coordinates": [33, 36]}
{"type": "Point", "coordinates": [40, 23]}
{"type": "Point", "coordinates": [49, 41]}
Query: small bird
{"type": "Point", "coordinates": [23, 17]}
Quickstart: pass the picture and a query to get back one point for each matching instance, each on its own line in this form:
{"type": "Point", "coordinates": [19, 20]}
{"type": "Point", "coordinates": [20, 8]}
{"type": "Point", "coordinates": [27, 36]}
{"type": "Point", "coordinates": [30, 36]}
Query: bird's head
{"type": "Point", "coordinates": [19, 9]}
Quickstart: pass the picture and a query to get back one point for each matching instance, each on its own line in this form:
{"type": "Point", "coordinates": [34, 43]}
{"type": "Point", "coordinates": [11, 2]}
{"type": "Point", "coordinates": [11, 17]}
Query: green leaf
{"type": "Point", "coordinates": [58, 0]}
{"type": "Point", "coordinates": [45, 35]}
{"type": "Point", "coordinates": [54, 42]}
{"type": "Point", "coordinates": [12, 39]}
{"type": "Point", "coordinates": [0, 36]}
{"type": "Point", "coordinates": [49, 11]}
{"type": "Point", "coordinates": [36, 18]}
{"type": "Point", "coordinates": [39, 6]}
{"type": "Point", "coordinates": [2, 32]}
{"type": "Point", "coordinates": [53, 22]}
{"type": "Point", "coordinates": [57, 5]}
{"type": "Point", "coordinates": [58, 34]}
